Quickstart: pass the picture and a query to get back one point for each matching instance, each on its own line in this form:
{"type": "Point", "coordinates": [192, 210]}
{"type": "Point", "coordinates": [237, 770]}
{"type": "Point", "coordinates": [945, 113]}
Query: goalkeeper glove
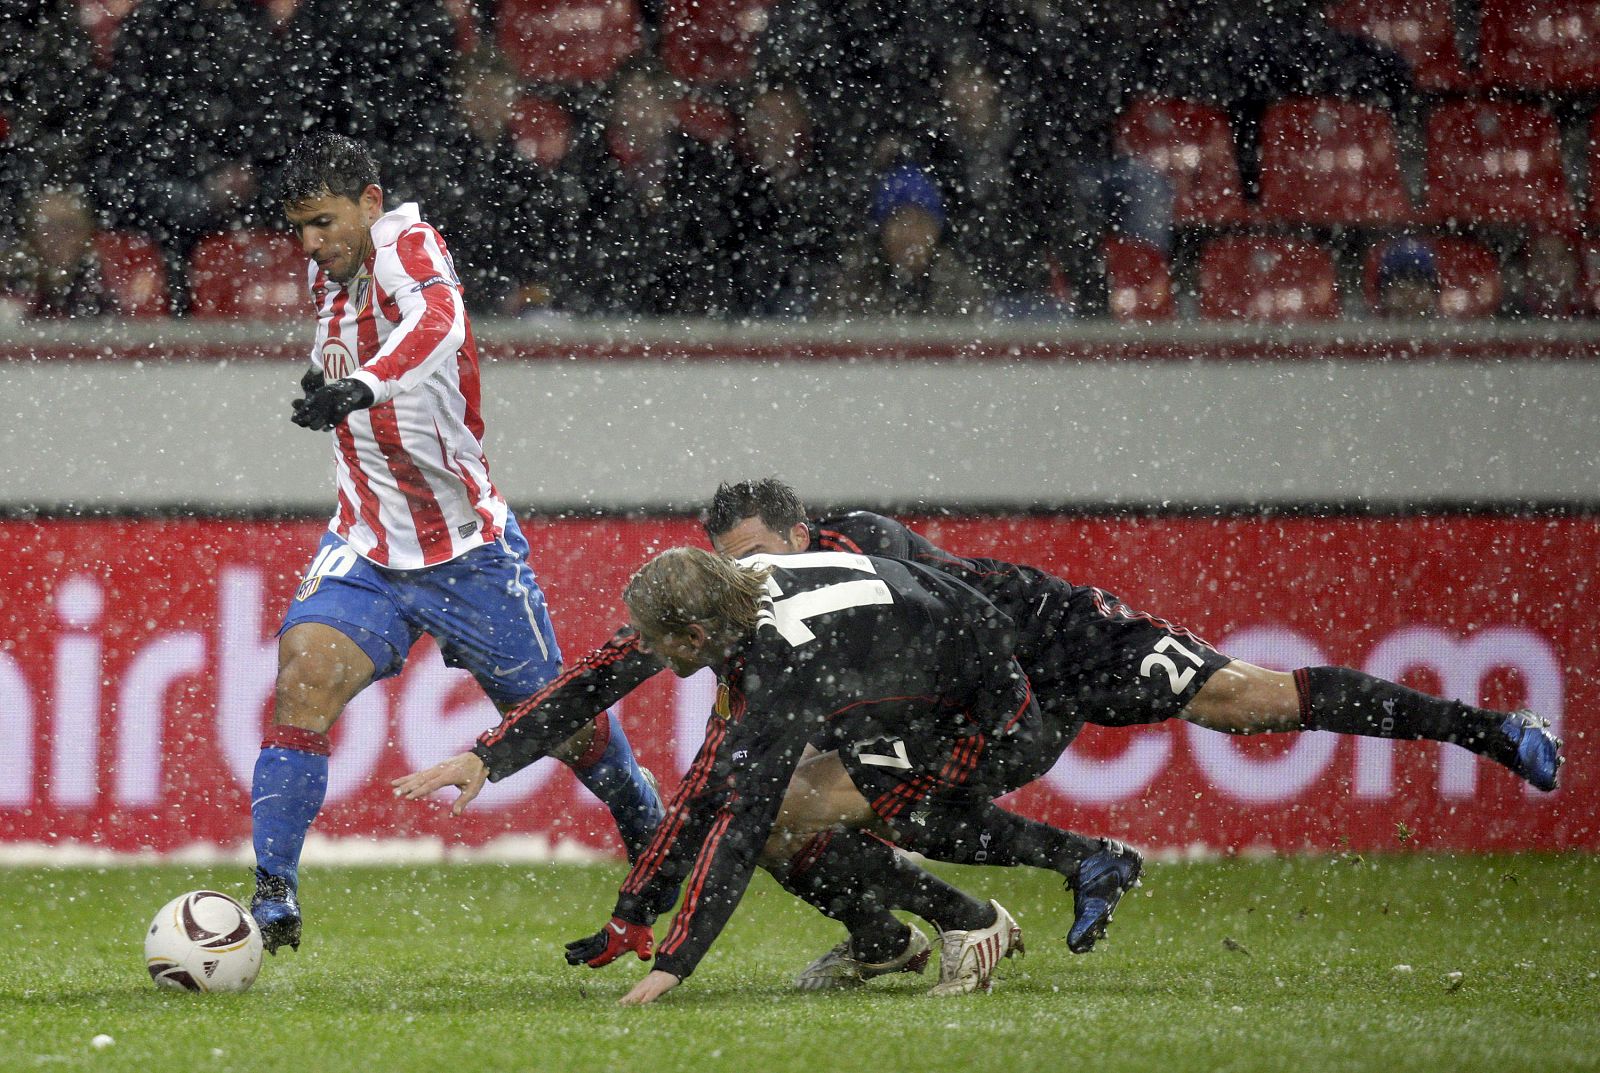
{"type": "Point", "coordinates": [330, 404]}
{"type": "Point", "coordinates": [611, 942]}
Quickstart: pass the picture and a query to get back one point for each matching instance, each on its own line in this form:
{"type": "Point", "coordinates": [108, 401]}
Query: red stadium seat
{"type": "Point", "coordinates": [1423, 31]}
{"type": "Point", "coordinates": [541, 130]}
{"type": "Point", "coordinates": [1326, 161]}
{"type": "Point", "coordinates": [133, 270]}
{"type": "Point", "coordinates": [711, 40]}
{"type": "Point", "coordinates": [103, 21]}
{"type": "Point", "coordinates": [706, 121]}
{"type": "Point", "coordinates": [1192, 145]}
{"type": "Point", "coordinates": [250, 275]}
{"type": "Point", "coordinates": [1594, 166]}
{"type": "Point", "coordinates": [1470, 285]}
{"type": "Point", "coordinates": [1541, 44]}
{"type": "Point", "coordinates": [1138, 280]}
{"type": "Point", "coordinates": [567, 41]}
{"type": "Point", "coordinates": [1589, 264]}
{"type": "Point", "coordinates": [1496, 163]}
{"type": "Point", "coordinates": [1267, 279]}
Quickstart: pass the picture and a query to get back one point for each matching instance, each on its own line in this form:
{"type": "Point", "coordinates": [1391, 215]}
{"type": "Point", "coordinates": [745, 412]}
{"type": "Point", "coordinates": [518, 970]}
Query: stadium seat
{"type": "Point", "coordinates": [711, 41]}
{"type": "Point", "coordinates": [1423, 31]}
{"type": "Point", "coordinates": [1192, 145]}
{"type": "Point", "coordinates": [567, 41]}
{"type": "Point", "coordinates": [1541, 44]}
{"type": "Point", "coordinates": [706, 120]}
{"type": "Point", "coordinates": [1589, 264]}
{"type": "Point", "coordinates": [102, 19]}
{"type": "Point", "coordinates": [1267, 279]}
{"type": "Point", "coordinates": [249, 275]}
{"type": "Point", "coordinates": [541, 130]}
{"type": "Point", "coordinates": [1327, 161]}
{"type": "Point", "coordinates": [1138, 280]}
{"type": "Point", "coordinates": [1470, 285]}
{"type": "Point", "coordinates": [133, 270]}
{"type": "Point", "coordinates": [1594, 166]}
{"type": "Point", "coordinates": [1495, 163]}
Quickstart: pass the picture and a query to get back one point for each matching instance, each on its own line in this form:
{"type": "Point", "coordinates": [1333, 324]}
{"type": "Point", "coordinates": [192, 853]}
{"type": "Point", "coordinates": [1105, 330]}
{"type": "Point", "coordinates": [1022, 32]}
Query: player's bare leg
{"type": "Point", "coordinates": [819, 852]}
{"type": "Point", "coordinates": [1244, 699]}
{"type": "Point", "coordinates": [320, 670]}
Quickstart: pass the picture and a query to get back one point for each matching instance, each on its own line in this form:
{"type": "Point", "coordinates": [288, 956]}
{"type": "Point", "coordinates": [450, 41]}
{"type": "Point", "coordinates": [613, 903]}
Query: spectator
{"type": "Point", "coordinates": [1408, 281]}
{"type": "Point", "coordinates": [190, 121]}
{"type": "Point", "coordinates": [377, 71]}
{"type": "Point", "coordinates": [496, 205]}
{"type": "Point", "coordinates": [647, 227]}
{"type": "Point", "coordinates": [905, 269]}
{"type": "Point", "coordinates": [1096, 61]}
{"type": "Point", "coordinates": [1551, 286]}
{"type": "Point", "coordinates": [783, 217]}
{"type": "Point", "coordinates": [49, 89]}
{"type": "Point", "coordinates": [54, 273]}
{"type": "Point", "coordinates": [987, 172]}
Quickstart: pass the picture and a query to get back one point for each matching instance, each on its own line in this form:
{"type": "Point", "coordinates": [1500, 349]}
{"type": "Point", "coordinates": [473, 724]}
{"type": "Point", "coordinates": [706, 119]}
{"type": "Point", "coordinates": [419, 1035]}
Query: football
{"type": "Point", "coordinates": [203, 941]}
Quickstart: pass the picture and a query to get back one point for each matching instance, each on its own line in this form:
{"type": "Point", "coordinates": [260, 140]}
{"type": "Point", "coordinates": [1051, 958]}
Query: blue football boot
{"type": "Point", "coordinates": [1538, 752]}
{"type": "Point", "coordinates": [1097, 886]}
{"type": "Point", "coordinates": [277, 912]}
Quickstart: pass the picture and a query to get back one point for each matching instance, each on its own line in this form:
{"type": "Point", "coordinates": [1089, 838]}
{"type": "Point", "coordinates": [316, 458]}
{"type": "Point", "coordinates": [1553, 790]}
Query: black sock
{"type": "Point", "coordinates": [1350, 702]}
{"type": "Point", "coordinates": [985, 833]}
{"type": "Point", "coordinates": [856, 879]}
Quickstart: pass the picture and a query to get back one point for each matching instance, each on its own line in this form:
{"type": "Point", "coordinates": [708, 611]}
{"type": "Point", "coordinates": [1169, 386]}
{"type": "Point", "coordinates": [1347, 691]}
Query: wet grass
{"type": "Point", "coordinates": [1240, 965]}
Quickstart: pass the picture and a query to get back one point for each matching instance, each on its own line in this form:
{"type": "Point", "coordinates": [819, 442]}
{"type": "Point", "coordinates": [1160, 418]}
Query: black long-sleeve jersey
{"type": "Point", "coordinates": [848, 649]}
{"type": "Point", "coordinates": [1035, 601]}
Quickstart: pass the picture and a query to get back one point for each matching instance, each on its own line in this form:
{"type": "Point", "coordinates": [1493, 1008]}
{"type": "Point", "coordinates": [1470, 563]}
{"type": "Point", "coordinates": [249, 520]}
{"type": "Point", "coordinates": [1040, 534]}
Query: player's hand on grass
{"type": "Point", "coordinates": [611, 942]}
{"type": "Point", "coordinates": [655, 984]}
{"type": "Point", "coordinates": [464, 771]}
{"type": "Point", "coordinates": [325, 407]}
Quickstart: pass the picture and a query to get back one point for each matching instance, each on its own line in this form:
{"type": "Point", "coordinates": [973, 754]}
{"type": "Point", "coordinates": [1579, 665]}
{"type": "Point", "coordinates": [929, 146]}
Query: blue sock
{"type": "Point", "coordinates": [619, 782]}
{"type": "Point", "coordinates": [285, 796]}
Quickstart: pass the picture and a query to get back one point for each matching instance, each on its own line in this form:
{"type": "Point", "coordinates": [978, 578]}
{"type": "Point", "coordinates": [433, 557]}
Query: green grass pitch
{"type": "Point", "coordinates": [1261, 964]}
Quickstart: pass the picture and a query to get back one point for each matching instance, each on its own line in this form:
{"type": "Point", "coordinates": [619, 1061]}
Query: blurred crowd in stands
{"type": "Point", "coordinates": [1134, 159]}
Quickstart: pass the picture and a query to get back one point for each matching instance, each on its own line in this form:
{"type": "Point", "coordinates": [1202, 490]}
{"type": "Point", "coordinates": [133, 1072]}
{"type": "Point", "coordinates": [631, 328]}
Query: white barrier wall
{"type": "Point", "coordinates": [184, 414]}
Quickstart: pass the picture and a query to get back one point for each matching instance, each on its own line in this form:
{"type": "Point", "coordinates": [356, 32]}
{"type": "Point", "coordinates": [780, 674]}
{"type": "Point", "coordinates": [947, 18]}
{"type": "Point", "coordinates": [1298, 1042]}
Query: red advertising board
{"type": "Point", "coordinates": [137, 660]}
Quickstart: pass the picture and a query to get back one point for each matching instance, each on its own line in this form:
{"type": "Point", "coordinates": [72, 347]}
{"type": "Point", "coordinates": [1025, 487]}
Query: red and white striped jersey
{"type": "Point", "coordinates": [413, 482]}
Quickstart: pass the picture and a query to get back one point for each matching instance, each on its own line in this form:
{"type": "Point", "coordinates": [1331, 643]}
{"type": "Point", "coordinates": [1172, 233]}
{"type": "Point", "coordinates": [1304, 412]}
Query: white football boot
{"type": "Point", "coordinates": [839, 969]}
{"type": "Point", "coordinates": [967, 959]}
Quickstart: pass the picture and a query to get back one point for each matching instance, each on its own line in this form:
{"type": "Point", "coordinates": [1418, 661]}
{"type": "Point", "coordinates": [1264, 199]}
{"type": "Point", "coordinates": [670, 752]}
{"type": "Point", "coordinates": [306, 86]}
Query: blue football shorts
{"type": "Point", "coordinates": [485, 609]}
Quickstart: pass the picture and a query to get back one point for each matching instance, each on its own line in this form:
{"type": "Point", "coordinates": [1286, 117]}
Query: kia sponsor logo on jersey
{"type": "Point", "coordinates": [338, 361]}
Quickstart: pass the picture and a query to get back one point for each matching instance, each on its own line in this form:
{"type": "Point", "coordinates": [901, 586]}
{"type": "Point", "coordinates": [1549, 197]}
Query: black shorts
{"type": "Point", "coordinates": [895, 772]}
{"type": "Point", "coordinates": [1094, 659]}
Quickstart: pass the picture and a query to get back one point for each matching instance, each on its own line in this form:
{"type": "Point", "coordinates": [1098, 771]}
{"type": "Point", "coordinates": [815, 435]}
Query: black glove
{"type": "Point", "coordinates": [310, 382]}
{"type": "Point", "coordinates": [330, 404]}
{"type": "Point", "coordinates": [611, 942]}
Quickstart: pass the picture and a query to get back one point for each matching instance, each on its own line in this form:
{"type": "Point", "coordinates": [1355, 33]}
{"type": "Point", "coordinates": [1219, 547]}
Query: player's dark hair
{"type": "Point", "coordinates": [324, 163]}
{"type": "Point", "coordinates": [770, 499]}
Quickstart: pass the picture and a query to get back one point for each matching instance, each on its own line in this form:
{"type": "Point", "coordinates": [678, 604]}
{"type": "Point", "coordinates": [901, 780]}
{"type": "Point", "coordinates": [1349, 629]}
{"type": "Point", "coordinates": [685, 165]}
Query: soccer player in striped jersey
{"type": "Point", "coordinates": [420, 542]}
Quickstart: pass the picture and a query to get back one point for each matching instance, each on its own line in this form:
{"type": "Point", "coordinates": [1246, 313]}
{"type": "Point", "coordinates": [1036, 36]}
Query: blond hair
{"type": "Point", "coordinates": [683, 587]}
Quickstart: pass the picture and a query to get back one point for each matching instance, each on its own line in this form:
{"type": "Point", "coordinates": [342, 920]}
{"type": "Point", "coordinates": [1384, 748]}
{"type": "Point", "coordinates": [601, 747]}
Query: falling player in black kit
{"type": "Point", "coordinates": [1090, 659]}
{"type": "Point", "coordinates": [905, 673]}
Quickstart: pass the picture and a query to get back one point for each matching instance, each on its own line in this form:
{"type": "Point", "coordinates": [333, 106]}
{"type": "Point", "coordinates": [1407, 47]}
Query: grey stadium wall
{"type": "Point", "coordinates": [605, 417]}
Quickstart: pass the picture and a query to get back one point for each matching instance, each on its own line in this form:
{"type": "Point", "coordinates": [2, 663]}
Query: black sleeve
{"type": "Point", "coordinates": [559, 710]}
{"type": "Point", "coordinates": [652, 884]}
{"type": "Point", "coordinates": [762, 751]}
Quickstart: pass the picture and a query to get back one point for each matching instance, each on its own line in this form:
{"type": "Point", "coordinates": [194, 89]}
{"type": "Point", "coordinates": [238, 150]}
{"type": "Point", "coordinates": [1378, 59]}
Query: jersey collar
{"type": "Point", "coordinates": [388, 228]}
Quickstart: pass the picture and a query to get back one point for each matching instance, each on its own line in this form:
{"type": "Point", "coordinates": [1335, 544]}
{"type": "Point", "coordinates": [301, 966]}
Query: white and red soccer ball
{"type": "Point", "coordinates": [203, 941]}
